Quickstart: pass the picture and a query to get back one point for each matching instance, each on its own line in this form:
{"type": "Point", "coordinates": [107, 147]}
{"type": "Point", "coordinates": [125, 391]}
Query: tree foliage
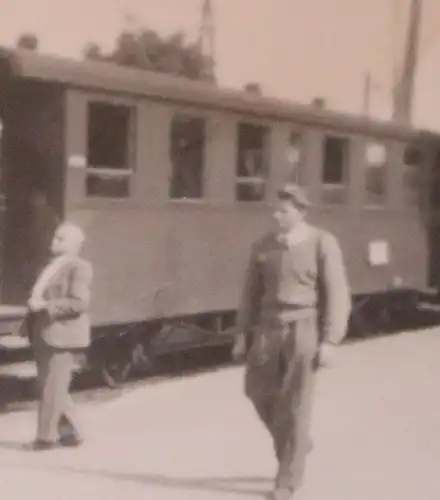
{"type": "Point", "coordinates": [146, 49]}
{"type": "Point", "coordinates": [28, 41]}
{"type": "Point", "coordinates": [253, 88]}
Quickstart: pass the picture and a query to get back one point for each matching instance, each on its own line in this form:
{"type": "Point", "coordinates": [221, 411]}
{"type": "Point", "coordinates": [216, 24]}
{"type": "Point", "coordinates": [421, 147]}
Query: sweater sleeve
{"type": "Point", "coordinates": [78, 298]}
{"type": "Point", "coordinates": [334, 290]}
{"type": "Point", "coordinates": [251, 293]}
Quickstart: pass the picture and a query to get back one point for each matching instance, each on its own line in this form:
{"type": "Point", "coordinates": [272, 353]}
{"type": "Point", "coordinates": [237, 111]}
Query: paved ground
{"type": "Point", "coordinates": [376, 428]}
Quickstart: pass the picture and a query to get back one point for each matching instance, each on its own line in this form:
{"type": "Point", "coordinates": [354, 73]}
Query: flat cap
{"type": "Point", "coordinates": [295, 194]}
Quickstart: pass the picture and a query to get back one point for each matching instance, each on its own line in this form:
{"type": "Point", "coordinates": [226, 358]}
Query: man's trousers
{"type": "Point", "coordinates": [280, 374]}
{"type": "Point", "coordinates": [56, 412]}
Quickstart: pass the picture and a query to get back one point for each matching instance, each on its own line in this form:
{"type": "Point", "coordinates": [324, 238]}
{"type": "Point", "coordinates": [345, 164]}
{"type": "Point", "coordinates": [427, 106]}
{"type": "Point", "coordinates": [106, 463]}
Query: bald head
{"type": "Point", "coordinates": [68, 239]}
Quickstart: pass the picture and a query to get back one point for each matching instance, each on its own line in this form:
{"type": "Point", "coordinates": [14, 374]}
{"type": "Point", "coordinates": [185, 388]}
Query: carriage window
{"type": "Point", "coordinates": [252, 162]}
{"type": "Point", "coordinates": [109, 150]}
{"type": "Point", "coordinates": [435, 184]}
{"type": "Point", "coordinates": [1, 157]}
{"type": "Point", "coordinates": [334, 172]}
{"type": "Point", "coordinates": [335, 160]}
{"type": "Point", "coordinates": [294, 158]}
{"type": "Point", "coordinates": [413, 164]}
{"type": "Point", "coordinates": [375, 173]}
{"type": "Point", "coordinates": [187, 152]}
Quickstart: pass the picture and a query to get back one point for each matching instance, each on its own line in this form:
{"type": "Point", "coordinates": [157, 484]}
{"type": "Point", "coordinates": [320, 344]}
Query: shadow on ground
{"type": "Point", "coordinates": [19, 393]}
{"type": "Point", "coordinates": [256, 487]}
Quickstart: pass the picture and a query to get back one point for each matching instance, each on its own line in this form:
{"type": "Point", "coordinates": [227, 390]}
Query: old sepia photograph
{"type": "Point", "coordinates": [219, 249]}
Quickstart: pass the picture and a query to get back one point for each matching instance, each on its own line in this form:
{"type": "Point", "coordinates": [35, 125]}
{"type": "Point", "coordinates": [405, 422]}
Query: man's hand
{"type": "Point", "coordinates": [327, 354]}
{"type": "Point", "coordinates": [36, 305]}
{"type": "Point", "coordinates": [239, 348]}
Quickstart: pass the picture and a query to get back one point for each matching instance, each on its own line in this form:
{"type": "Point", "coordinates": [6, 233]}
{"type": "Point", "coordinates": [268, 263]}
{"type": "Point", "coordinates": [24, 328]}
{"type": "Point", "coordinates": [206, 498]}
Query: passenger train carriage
{"type": "Point", "coordinates": [172, 181]}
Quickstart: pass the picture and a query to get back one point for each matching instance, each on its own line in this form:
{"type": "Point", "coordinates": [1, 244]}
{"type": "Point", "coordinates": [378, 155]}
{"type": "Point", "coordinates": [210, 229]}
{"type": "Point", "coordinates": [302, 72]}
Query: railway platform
{"type": "Point", "coordinates": [376, 430]}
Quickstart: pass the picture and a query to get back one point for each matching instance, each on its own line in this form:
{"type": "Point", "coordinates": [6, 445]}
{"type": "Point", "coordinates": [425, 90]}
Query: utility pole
{"type": "Point", "coordinates": [403, 91]}
{"type": "Point", "coordinates": [206, 38]}
{"type": "Point", "coordinates": [131, 23]}
{"type": "Point", "coordinates": [367, 93]}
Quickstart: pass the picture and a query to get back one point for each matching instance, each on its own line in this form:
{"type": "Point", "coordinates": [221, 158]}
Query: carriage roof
{"type": "Point", "coordinates": [108, 77]}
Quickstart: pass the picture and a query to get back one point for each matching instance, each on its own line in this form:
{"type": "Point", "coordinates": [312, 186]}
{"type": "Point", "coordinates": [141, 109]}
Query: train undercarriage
{"type": "Point", "coordinates": [120, 351]}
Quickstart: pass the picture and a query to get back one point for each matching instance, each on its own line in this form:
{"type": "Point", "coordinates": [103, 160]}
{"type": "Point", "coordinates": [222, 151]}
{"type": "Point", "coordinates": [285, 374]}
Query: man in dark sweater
{"type": "Point", "coordinates": [295, 308]}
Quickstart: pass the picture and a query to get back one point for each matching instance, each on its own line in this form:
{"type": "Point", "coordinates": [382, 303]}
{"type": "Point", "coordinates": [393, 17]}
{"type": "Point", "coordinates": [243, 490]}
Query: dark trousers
{"type": "Point", "coordinates": [56, 410]}
{"type": "Point", "coordinates": [280, 376]}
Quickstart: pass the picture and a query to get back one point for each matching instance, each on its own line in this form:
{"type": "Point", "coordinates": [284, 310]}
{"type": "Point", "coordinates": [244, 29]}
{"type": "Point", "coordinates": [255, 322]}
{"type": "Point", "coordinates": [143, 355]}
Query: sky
{"type": "Point", "coordinates": [295, 49]}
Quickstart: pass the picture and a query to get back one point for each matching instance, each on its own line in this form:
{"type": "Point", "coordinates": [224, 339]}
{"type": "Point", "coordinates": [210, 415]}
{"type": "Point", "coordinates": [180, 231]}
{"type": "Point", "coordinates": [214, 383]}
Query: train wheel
{"type": "Point", "coordinates": [137, 357]}
{"type": "Point", "coordinates": [360, 325]}
{"type": "Point", "coordinates": [384, 320]}
{"type": "Point", "coordinates": [115, 372]}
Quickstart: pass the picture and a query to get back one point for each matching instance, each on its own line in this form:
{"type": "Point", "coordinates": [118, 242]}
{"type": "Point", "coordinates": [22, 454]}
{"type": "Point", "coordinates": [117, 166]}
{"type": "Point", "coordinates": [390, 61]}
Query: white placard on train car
{"type": "Point", "coordinates": [77, 161]}
{"type": "Point", "coordinates": [376, 154]}
{"type": "Point", "coordinates": [378, 253]}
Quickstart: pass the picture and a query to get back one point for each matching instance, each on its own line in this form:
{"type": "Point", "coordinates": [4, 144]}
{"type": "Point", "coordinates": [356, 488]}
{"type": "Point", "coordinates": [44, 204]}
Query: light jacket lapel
{"type": "Point", "coordinates": [56, 278]}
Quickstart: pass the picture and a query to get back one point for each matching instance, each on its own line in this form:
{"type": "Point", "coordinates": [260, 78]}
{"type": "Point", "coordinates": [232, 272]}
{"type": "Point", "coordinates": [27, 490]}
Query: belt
{"type": "Point", "coordinates": [288, 312]}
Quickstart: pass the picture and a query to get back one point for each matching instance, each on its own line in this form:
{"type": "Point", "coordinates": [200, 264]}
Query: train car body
{"type": "Point", "coordinates": [173, 180]}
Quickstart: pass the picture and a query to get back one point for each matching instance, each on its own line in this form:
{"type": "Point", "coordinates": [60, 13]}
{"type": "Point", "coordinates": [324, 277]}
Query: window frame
{"type": "Point", "coordinates": [189, 113]}
{"type": "Point", "coordinates": [372, 141]}
{"type": "Point", "coordinates": [267, 128]}
{"type": "Point", "coordinates": [411, 196]}
{"type": "Point", "coordinates": [126, 172]}
{"type": "Point", "coordinates": [296, 174]}
{"type": "Point", "coordinates": [2, 164]}
{"type": "Point", "coordinates": [343, 187]}
{"type": "Point", "coordinates": [435, 182]}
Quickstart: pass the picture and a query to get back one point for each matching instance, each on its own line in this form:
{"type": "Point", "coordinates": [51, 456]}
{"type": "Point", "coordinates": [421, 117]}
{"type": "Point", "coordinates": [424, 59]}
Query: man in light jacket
{"type": "Point", "coordinates": [294, 312]}
{"type": "Point", "coordinates": [58, 325]}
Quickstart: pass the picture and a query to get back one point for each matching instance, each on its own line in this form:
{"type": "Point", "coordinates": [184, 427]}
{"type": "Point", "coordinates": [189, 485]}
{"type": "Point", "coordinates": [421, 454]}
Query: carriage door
{"type": "Point", "coordinates": [434, 226]}
{"type": "Point", "coordinates": [32, 179]}
{"type": "Point", "coordinates": [2, 193]}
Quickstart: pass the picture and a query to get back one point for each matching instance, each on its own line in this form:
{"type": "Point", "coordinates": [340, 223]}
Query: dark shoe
{"type": "Point", "coordinates": [41, 445]}
{"type": "Point", "coordinates": [309, 449]}
{"type": "Point", "coordinates": [282, 494]}
{"type": "Point", "coordinates": [71, 441]}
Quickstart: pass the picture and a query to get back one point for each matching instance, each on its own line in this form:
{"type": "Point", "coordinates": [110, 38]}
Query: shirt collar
{"type": "Point", "coordinates": [300, 233]}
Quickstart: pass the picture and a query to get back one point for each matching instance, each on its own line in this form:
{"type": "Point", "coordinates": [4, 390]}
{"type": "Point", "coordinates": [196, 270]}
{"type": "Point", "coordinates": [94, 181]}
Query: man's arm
{"type": "Point", "coordinates": [78, 297]}
{"type": "Point", "coordinates": [250, 299]}
{"type": "Point", "coordinates": [336, 291]}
